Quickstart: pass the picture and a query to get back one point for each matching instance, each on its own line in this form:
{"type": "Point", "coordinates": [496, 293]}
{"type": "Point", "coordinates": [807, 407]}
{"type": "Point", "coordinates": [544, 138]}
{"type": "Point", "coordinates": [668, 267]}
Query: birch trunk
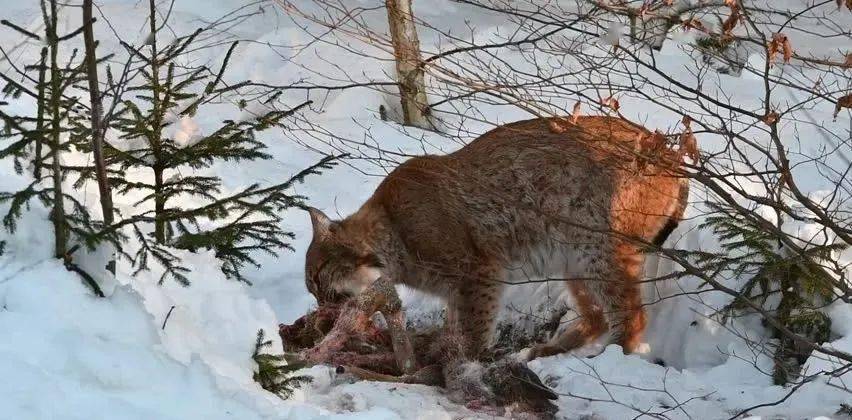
{"type": "Point", "coordinates": [406, 46]}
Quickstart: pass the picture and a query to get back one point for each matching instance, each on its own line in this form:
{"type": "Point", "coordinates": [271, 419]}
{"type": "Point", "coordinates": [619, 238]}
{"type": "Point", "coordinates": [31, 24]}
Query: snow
{"type": "Point", "coordinates": [186, 132]}
{"type": "Point", "coordinates": [67, 354]}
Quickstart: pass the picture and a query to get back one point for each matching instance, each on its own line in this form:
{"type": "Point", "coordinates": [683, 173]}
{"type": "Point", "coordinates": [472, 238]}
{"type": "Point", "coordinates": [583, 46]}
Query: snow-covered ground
{"type": "Point", "coordinates": [66, 354]}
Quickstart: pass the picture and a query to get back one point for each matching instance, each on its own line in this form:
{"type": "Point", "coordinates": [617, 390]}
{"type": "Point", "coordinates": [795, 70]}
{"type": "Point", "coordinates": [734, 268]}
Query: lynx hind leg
{"type": "Point", "coordinates": [590, 325]}
{"type": "Point", "coordinates": [476, 308]}
{"type": "Point", "coordinates": [611, 301]}
{"type": "Point", "coordinates": [624, 311]}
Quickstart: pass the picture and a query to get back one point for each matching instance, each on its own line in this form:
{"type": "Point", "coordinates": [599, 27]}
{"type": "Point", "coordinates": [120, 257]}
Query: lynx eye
{"type": "Point", "coordinates": [312, 276]}
{"type": "Point", "coordinates": [371, 260]}
{"type": "Point", "coordinates": [316, 275]}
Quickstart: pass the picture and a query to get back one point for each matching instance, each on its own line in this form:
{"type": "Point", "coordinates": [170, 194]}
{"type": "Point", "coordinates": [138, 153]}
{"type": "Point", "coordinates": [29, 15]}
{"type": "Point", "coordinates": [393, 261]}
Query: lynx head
{"type": "Point", "coordinates": [338, 262]}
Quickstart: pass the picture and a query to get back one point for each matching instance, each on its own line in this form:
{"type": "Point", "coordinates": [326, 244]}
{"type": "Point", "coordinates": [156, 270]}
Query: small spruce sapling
{"type": "Point", "coordinates": [791, 286]}
{"type": "Point", "coordinates": [273, 373]}
{"type": "Point", "coordinates": [235, 226]}
{"type": "Point", "coordinates": [41, 138]}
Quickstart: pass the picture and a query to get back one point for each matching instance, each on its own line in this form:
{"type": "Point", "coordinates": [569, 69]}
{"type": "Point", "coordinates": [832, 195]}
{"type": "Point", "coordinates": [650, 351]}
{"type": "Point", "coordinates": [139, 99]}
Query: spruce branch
{"type": "Point", "coordinates": [273, 373]}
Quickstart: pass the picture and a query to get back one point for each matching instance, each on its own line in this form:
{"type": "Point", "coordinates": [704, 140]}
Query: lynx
{"type": "Point", "coordinates": [570, 201]}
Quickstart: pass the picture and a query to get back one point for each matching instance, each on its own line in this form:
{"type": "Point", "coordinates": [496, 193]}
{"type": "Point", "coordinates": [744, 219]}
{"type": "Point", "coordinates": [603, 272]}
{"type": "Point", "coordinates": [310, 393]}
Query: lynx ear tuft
{"type": "Point", "coordinates": [321, 223]}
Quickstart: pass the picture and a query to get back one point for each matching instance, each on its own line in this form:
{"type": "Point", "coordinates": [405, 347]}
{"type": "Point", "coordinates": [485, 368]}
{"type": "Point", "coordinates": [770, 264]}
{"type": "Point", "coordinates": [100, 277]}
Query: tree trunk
{"type": "Point", "coordinates": [156, 129]}
{"type": "Point", "coordinates": [159, 207]}
{"type": "Point", "coordinates": [42, 72]}
{"type": "Point", "coordinates": [96, 115]}
{"type": "Point", "coordinates": [406, 46]}
{"type": "Point", "coordinates": [58, 213]}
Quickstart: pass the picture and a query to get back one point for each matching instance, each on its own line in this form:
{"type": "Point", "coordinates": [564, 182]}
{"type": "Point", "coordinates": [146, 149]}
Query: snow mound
{"type": "Point", "coordinates": [68, 354]}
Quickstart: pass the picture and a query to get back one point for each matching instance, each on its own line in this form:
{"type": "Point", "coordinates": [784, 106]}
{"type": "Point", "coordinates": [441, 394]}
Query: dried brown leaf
{"type": "Point", "coordinates": [770, 118]}
{"type": "Point", "coordinates": [693, 23]}
{"type": "Point", "coordinates": [687, 122]}
{"type": "Point", "coordinates": [772, 51]}
{"type": "Point", "coordinates": [688, 145]}
{"type": "Point", "coordinates": [556, 127]}
{"type": "Point", "coordinates": [611, 103]}
{"type": "Point", "coordinates": [781, 42]}
{"type": "Point", "coordinates": [843, 102]}
{"type": "Point", "coordinates": [575, 113]}
{"type": "Point", "coordinates": [732, 20]}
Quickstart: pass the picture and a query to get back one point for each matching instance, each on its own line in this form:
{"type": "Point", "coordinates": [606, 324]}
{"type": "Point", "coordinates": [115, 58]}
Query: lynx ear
{"type": "Point", "coordinates": [320, 222]}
